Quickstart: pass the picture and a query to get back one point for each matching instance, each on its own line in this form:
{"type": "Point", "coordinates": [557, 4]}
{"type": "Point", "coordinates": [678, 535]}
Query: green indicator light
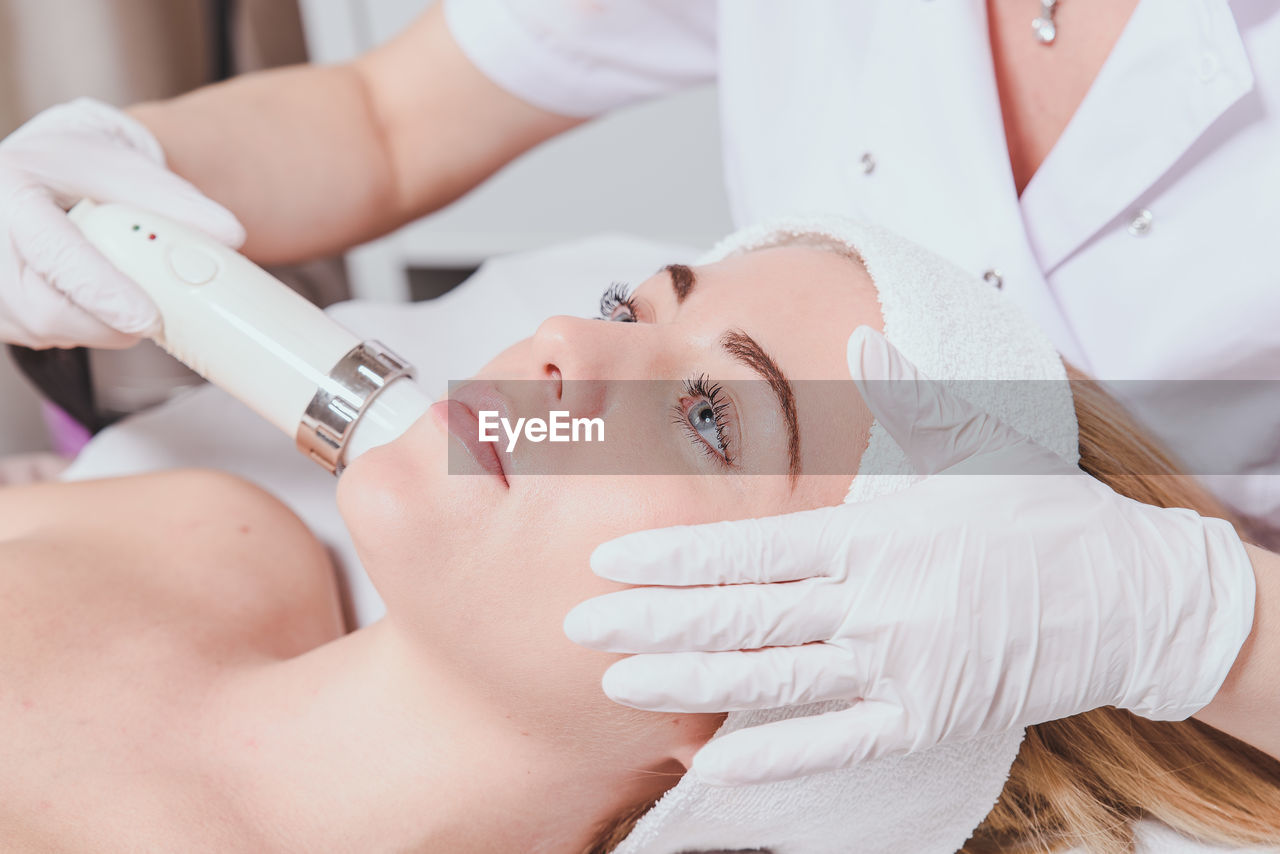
{"type": "Point", "coordinates": [137, 228]}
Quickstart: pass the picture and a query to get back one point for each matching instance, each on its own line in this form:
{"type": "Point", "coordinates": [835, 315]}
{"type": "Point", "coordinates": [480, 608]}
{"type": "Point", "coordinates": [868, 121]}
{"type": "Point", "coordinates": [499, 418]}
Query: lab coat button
{"type": "Point", "coordinates": [992, 277]}
{"type": "Point", "coordinates": [1140, 223]}
{"type": "Point", "coordinates": [192, 265]}
{"type": "Point", "coordinates": [868, 163]}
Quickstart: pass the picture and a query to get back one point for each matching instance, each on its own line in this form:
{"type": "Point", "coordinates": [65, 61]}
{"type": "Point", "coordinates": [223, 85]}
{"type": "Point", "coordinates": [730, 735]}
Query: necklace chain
{"type": "Point", "coordinates": [1044, 27]}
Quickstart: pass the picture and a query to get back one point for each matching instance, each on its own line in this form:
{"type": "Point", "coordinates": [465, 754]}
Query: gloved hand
{"type": "Point", "coordinates": [56, 290]}
{"type": "Point", "coordinates": [1007, 589]}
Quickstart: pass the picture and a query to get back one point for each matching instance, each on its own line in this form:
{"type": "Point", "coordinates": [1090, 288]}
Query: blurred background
{"type": "Point", "coordinates": [620, 174]}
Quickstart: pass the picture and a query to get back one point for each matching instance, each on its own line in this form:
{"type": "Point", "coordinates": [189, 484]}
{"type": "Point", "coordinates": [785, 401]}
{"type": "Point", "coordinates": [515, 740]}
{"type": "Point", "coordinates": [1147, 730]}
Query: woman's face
{"type": "Point", "coordinates": [483, 567]}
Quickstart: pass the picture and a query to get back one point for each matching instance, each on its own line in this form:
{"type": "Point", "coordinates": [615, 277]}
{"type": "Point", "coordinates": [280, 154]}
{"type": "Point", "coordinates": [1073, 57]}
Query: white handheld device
{"type": "Point", "coordinates": [245, 331]}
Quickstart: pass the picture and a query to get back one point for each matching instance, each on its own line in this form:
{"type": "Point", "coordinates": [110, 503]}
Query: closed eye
{"type": "Point", "coordinates": [617, 304]}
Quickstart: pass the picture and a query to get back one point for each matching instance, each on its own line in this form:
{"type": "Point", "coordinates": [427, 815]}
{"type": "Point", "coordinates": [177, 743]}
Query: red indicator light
{"type": "Point", "coordinates": [151, 237]}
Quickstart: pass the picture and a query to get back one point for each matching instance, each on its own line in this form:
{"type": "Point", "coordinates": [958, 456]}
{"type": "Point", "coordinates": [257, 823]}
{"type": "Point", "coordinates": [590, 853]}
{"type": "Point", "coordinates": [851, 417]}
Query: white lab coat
{"type": "Point", "coordinates": [1144, 245]}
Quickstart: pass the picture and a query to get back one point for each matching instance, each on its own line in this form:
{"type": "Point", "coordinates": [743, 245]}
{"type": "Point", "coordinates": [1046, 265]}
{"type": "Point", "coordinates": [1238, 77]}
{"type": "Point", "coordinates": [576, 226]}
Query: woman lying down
{"type": "Point", "coordinates": [177, 675]}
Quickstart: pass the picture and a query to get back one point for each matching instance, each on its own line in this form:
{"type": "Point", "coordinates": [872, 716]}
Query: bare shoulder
{"type": "Point", "coordinates": [206, 550]}
{"type": "Point", "coordinates": [122, 602]}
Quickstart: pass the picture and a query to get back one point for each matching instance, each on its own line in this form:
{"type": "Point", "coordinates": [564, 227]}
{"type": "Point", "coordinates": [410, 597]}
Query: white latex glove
{"type": "Point", "coordinates": [1008, 589]}
{"type": "Point", "coordinates": [56, 290]}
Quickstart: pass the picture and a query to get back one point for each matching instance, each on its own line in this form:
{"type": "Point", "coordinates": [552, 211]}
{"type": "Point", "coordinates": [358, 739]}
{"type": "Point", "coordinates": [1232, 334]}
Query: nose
{"type": "Point", "coordinates": [578, 349]}
{"type": "Point", "coordinates": [578, 357]}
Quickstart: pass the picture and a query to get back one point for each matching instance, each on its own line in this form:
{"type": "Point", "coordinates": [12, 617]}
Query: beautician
{"type": "Point", "coordinates": [1112, 166]}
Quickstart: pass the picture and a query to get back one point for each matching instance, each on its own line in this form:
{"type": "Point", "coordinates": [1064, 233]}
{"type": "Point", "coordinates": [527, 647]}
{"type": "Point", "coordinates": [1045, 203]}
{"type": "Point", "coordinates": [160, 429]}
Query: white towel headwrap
{"type": "Point", "coordinates": [953, 327]}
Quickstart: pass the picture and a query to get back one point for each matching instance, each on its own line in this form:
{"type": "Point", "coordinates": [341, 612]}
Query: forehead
{"type": "Point", "coordinates": [801, 303]}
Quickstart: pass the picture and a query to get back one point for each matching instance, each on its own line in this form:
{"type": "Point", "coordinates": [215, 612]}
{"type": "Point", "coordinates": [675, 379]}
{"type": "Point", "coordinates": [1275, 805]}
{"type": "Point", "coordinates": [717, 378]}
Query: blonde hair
{"type": "Point", "coordinates": [1082, 781]}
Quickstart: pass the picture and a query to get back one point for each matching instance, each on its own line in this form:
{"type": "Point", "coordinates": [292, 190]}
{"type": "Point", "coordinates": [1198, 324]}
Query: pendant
{"type": "Point", "coordinates": [1044, 27]}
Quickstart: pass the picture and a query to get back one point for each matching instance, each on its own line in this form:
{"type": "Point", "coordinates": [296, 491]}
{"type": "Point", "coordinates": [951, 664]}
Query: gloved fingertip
{"type": "Point", "coordinates": [216, 221]}
{"type": "Point", "coordinates": [862, 336]}
{"type": "Point", "coordinates": [137, 318]}
{"type": "Point", "coordinates": [616, 686]}
{"type": "Point", "coordinates": [230, 231]}
{"type": "Point", "coordinates": [116, 301]}
{"type": "Point", "coordinates": [717, 766]}
{"type": "Point", "coordinates": [580, 625]}
{"type": "Point", "coordinates": [150, 327]}
{"type": "Point", "coordinates": [616, 560]}
{"type": "Point", "coordinates": [623, 684]}
{"type": "Point", "coordinates": [869, 355]}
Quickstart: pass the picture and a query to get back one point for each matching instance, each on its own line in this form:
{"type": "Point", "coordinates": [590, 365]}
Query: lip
{"type": "Point", "coordinates": [460, 421]}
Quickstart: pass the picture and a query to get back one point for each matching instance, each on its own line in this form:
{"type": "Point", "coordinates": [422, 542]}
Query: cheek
{"type": "Point", "coordinates": [514, 573]}
{"type": "Point", "coordinates": [485, 583]}
{"type": "Point", "coordinates": [500, 619]}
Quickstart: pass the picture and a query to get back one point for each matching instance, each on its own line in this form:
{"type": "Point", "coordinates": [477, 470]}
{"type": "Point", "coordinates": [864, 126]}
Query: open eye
{"type": "Point", "coordinates": [702, 412]}
{"type": "Point", "coordinates": [702, 418]}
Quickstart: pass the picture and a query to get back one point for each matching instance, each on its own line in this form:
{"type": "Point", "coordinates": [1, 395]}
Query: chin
{"type": "Point", "coordinates": [399, 500]}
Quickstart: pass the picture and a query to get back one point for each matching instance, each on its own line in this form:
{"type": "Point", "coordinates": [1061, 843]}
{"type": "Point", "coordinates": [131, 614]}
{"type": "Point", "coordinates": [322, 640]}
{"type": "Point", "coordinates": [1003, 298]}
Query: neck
{"type": "Point", "coordinates": [363, 745]}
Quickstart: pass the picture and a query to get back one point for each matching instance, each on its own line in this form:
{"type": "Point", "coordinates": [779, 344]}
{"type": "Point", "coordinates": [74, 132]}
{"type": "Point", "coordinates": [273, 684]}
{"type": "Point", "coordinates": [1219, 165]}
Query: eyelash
{"type": "Point", "coordinates": [618, 295]}
{"type": "Point", "coordinates": [702, 388]}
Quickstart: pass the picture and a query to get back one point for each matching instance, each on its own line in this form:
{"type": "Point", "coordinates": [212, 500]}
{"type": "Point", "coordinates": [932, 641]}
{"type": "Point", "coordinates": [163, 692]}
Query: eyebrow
{"type": "Point", "coordinates": [682, 280]}
{"type": "Point", "coordinates": [747, 351]}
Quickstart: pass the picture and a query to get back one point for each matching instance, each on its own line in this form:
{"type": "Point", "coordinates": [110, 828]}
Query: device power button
{"type": "Point", "coordinates": [192, 265]}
